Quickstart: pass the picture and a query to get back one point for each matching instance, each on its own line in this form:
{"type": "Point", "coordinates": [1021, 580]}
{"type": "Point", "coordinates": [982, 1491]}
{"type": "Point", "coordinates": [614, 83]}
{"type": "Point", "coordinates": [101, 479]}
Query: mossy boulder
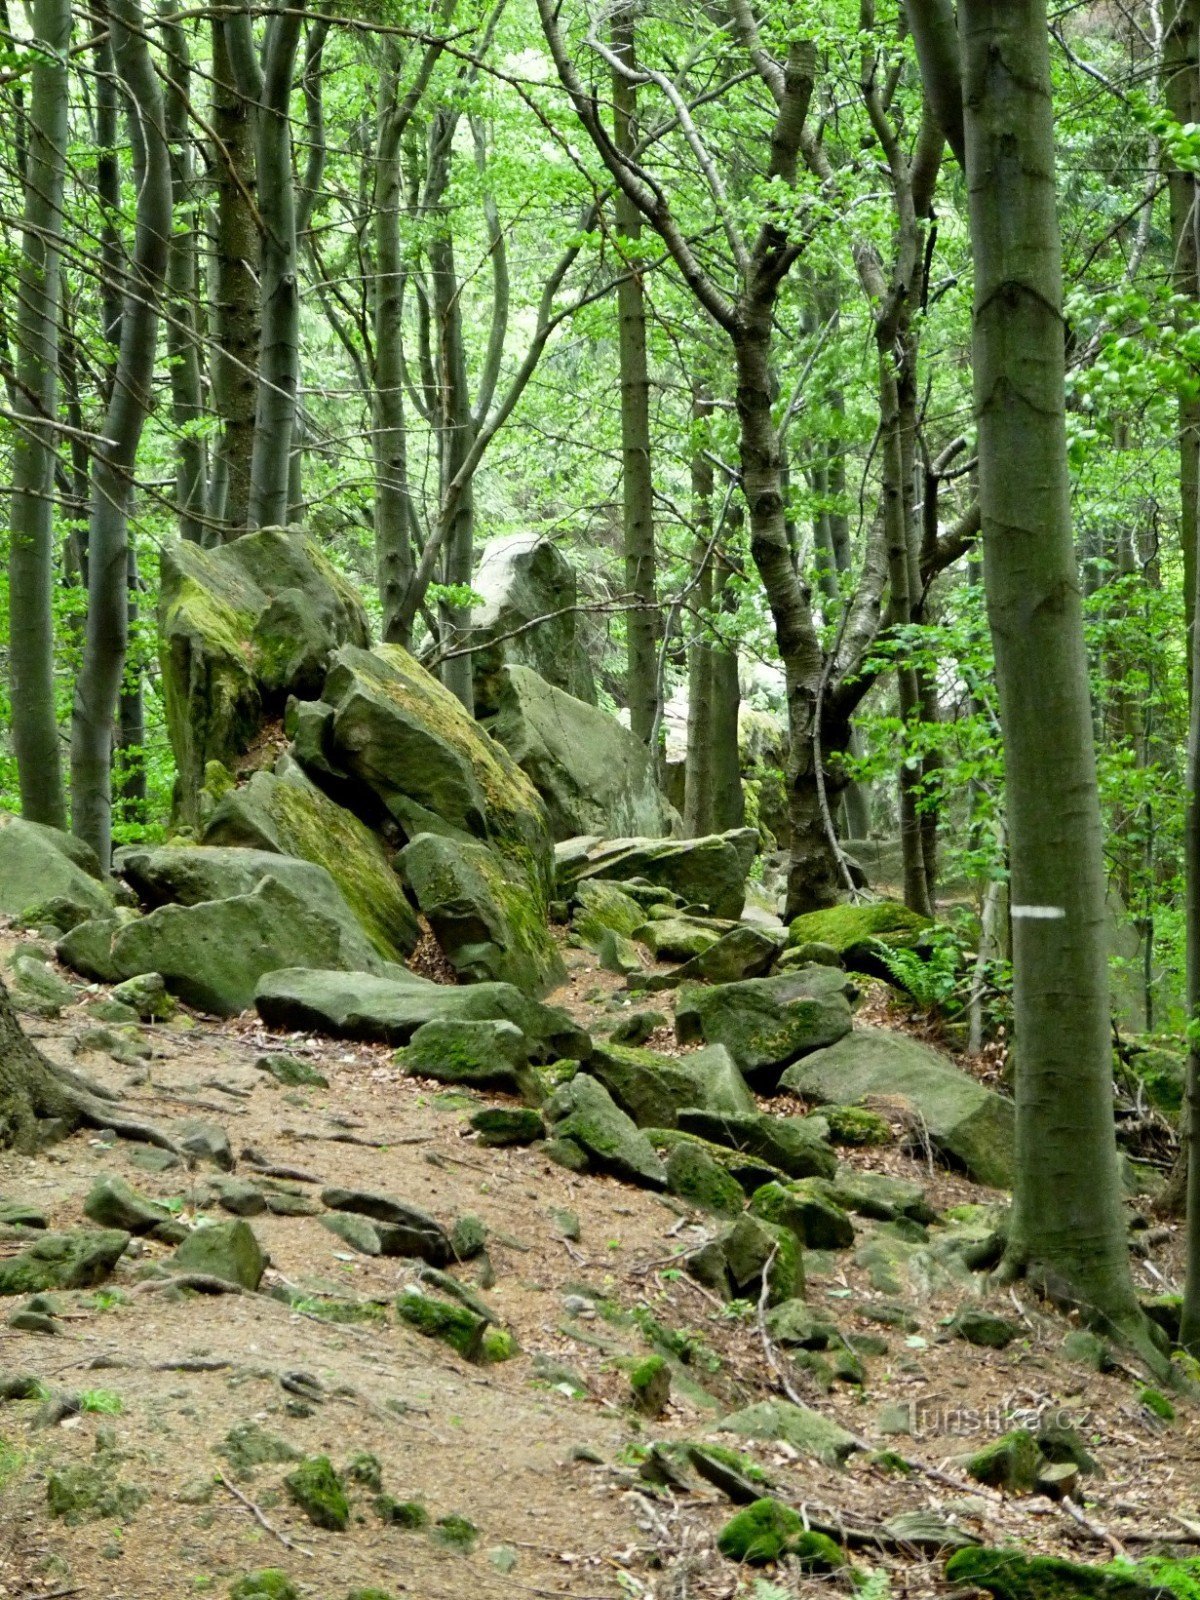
{"type": "Point", "coordinates": [733, 1264]}
{"type": "Point", "coordinates": [679, 937]}
{"type": "Point", "coordinates": [428, 763]}
{"type": "Point", "coordinates": [403, 1229]}
{"type": "Point", "coordinates": [212, 954]}
{"type": "Point", "coordinates": [391, 1009]}
{"type": "Point", "coordinates": [880, 1196]}
{"type": "Point", "coordinates": [807, 1431]}
{"type": "Point", "coordinates": [976, 1326]}
{"type": "Point", "coordinates": [583, 1113]}
{"type": "Point", "coordinates": [793, 1145]}
{"type": "Point", "coordinates": [91, 1492]}
{"type": "Point", "coordinates": [856, 932]}
{"type": "Point", "coordinates": [248, 1446]}
{"type": "Point", "coordinates": [650, 1384]}
{"type": "Point", "coordinates": [475, 1055]}
{"type": "Point", "coordinates": [146, 996]}
{"type": "Point", "coordinates": [766, 1023]}
{"type": "Point", "coordinates": [796, 1326]}
{"type": "Point", "coordinates": [768, 1530]}
{"type": "Point", "coordinates": [855, 1126]}
{"type": "Point", "coordinates": [112, 1203]}
{"type": "Point", "coordinates": [319, 1492]}
{"type": "Point", "coordinates": [807, 1209]}
{"type": "Point", "coordinates": [290, 816]}
{"type": "Point", "coordinates": [227, 1250]}
{"type": "Point", "coordinates": [267, 1583]}
{"type": "Point", "coordinates": [653, 1088]}
{"type": "Point", "coordinates": [501, 1126]}
{"type": "Point", "coordinates": [964, 1121]}
{"type": "Point", "coordinates": [740, 953]}
{"type": "Point", "coordinates": [291, 1072]}
{"type": "Point", "coordinates": [39, 864]}
{"type": "Point", "coordinates": [601, 909]}
{"type": "Point", "coordinates": [77, 1260]}
{"type": "Point", "coordinates": [709, 872]}
{"type": "Point", "coordinates": [488, 915]}
{"type": "Point", "coordinates": [456, 1325]}
{"type": "Point", "coordinates": [1013, 1575]}
{"type": "Point", "coordinates": [242, 626]}
{"type": "Point", "coordinates": [694, 1176]}
{"type": "Point", "coordinates": [1010, 1462]}
{"type": "Point", "coordinates": [592, 773]}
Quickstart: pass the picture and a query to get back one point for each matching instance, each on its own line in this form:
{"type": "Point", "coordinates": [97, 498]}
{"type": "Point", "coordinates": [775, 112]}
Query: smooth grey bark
{"type": "Point", "coordinates": [637, 482]}
{"type": "Point", "coordinates": [1181, 90]}
{"type": "Point", "coordinates": [1067, 1232]}
{"type": "Point", "coordinates": [268, 85]}
{"type": "Point", "coordinates": [234, 293]}
{"type": "Point", "coordinates": [130, 744]}
{"type": "Point", "coordinates": [35, 405]}
{"type": "Point", "coordinates": [99, 680]}
{"type": "Point", "coordinates": [182, 337]}
{"type": "Point", "coordinates": [698, 765]}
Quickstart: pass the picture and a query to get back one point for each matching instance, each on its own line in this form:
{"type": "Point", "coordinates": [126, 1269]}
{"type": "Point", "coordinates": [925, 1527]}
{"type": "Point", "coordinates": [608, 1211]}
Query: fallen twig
{"type": "Point", "coordinates": [288, 1544]}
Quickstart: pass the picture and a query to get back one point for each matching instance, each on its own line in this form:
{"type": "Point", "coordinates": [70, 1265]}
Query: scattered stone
{"type": "Point", "coordinates": [709, 872]}
{"type": "Point", "coordinates": [1012, 1575]}
{"type": "Point", "coordinates": [291, 1072]}
{"type": "Point", "coordinates": [365, 1468]}
{"type": "Point", "coordinates": [1156, 1403]}
{"type": "Point", "coordinates": [454, 1325]}
{"type": "Point", "coordinates": [854, 1125]}
{"type": "Point", "coordinates": [583, 1113]}
{"type": "Point", "coordinates": [806, 1431]}
{"type": "Point", "coordinates": [207, 1142]}
{"type": "Point", "coordinates": [150, 1159]}
{"type": "Point", "coordinates": [226, 1250]}
{"type": "Point", "coordinates": [526, 614]}
{"type": "Point", "coordinates": [146, 996]}
{"type": "Point", "coordinates": [89, 1492]}
{"type": "Point", "coordinates": [652, 1089]}
{"type": "Point", "coordinates": [456, 1533]}
{"type": "Point", "coordinates": [475, 1055]}
{"type": "Point", "coordinates": [17, 1214]}
{"type": "Point", "coordinates": [856, 933]}
{"type": "Point", "coordinates": [78, 1260]}
{"type": "Point", "coordinates": [318, 1491]}
{"type": "Point", "coordinates": [468, 1237]}
{"type": "Point", "coordinates": [111, 1203]}
{"type": "Point", "coordinates": [963, 1120]}
{"type": "Point", "coordinates": [806, 1208]}
{"type": "Point", "coordinates": [239, 1197]}
{"type": "Point", "coordinates": [733, 1264]}
{"type": "Point", "coordinates": [412, 1232]}
{"type": "Point", "coordinates": [361, 1006]}
{"type": "Point", "coordinates": [768, 1530]}
{"type": "Point", "coordinates": [637, 1027]}
{"type": "Point", "coordinates": [409, 1514]}
{"type": "Point", "coordinates": [679, 937]}
{"type": "Point", "coordinates": [1088, 1349]}
{"type": "Point", "coordinates": [694, 1176]}
{"type": "Point", "coordinates": [766, 1023]}
{"type": "Point", "coordinates": [40, 865]}
{"type": "Point", "coordinates": [793, 1145]}
{"type": "Point", "coordinates": [743, 952]}
{"type": "Point", "coordinates": [877, 1195]}
{"type": "Point", "coordinates": [26, 1320]}
{"type": "Point", "coordinates": [650, 1382]}
{"type": "Point", "coordinates": [1011, 1462]}
{"type": "Point", "coordinates": [268, 1583]}
{"type": "Point", "coordinates": [796, 1326]}
{"type": "Point", "coordinates": [924, 1530]}
{"type": "Point", "coordinates": [36, 979]}
{"type": "Point", "coordinates": [501, 1126]}
{"type": "Point", "coordinates": [984, 1328]}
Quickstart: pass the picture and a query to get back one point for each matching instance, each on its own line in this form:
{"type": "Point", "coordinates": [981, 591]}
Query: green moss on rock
{"type": "Point", "coordinates": [318, 1491]}
{"type": "Point", "coordinates": [849, 927]}
{"type": "Point", "coordinates": [268, 1583]}
{"type": "Point", "coordinates": [854, 1125]}
{"type": "Point", "coordinates": [1010, 1462]}
{"type": "Point", "coordinates": [454, 1325]}
{"type": "Point", "coordinates": [91, 1492]}
{"type": "Point", "coordinates": [650, 1382]}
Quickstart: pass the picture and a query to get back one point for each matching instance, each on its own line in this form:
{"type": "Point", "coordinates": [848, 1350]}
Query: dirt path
{"type": "Point", "coordinates": [548, 1474]}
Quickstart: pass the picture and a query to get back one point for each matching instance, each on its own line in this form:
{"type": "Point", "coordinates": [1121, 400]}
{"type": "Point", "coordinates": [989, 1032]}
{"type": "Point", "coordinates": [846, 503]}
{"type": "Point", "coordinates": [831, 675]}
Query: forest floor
{"type": "Point", "coordinates": [548, 1475]}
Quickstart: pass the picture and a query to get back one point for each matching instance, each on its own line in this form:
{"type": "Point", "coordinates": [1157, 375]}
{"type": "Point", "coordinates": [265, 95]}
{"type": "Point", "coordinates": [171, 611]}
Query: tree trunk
{"type": "Point", "coordinates": [235, 293]}
{"type": "Point", "coordinates": [99, 681]}
{"type": "Point", "coordinates": [31, 516]}
{"type": "Point", "coordinates": [1181, 88]}
{"type": "Point", "coordinates": [637, 480]}
{"type": "Point", "coordinates": [183, 345]}
{"type": "Point", "coordinates": [1067, 1231]}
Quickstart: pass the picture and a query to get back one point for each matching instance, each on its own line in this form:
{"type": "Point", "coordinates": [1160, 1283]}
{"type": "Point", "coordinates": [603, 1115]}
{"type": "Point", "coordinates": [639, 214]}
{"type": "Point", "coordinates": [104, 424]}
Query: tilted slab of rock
{"type": "Point", "coordinates": [653, 1088]}
{"type": "Point", "coordinates": [962, 1119]}
{"type": "Point", "coordinates": [708, 872]}
{"type": "Point", "coordinates": [487, 916]}
{"type": "Point", "coordinates": [390, 1009]}
{"type": "Point", "coordinates": [592, 773]}
{"type": "Point", "coordinates": [212, 954]}
{"type": "Point", "coordinates": [292, 817]}
{"type": "Point", "coordinates": [521, 578]}
{"type": "Point", "coordinates": [188, 875]}
{"type": "Point", "coordinates": [428, 763]}
{"type": "Point", "coordinates": [40, 867]}
{"type": "Point", "coordinates": [806, 1431]}
{"type": "Point", "coordinates": [766, 1023]}
{"type": "Point", "coordinates": [583, 1113]}
{"type": "Point", "coordinates": [241, 627]}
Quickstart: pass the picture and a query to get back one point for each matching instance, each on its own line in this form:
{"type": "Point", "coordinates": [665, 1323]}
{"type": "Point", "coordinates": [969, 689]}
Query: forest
{"type": "Point", "coordinates": [600, 799]}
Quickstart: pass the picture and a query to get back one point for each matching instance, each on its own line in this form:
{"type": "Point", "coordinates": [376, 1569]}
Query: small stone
{"type": "Point", "coordinates": [650, 1381]}
{"type": "Point", "coordinates": [468, 1237]}
{"type": "Point", "coordinates": [414, 1232]}
{"type": "Point", "coordinates": [26, 1321]}
{"type": "Point", "coordinates": [1058, 1480]}
{"type": "Point", "coordinates": [227, 1250]}
{"type": "Point", "coordinates": [16, 1214]}
{"type": "Point", "coordinates": [1088, 1349]}
{"type": "Point", "coordinates": [1011, 1462]}
{"type": "Point", "coordinates": [240, 1197]}
{"type": "Point", "coordinates": [77, 1260]}
{"type": "Point", "coordinates": [207, 1142]}
{"type": "Point", "coordinates": [455, 1325]}
{"type": "Point", "coordinates": [149, 1159]}
{"type": "Point", "coordinates": [360, 1233]}
{"type": "Point", "coordinates": [292, 1072]}
{"type": "Point", "coordinates": [637, 1027]}
{"type": "Point", "coordinates": [499, 1126]}
{"type": "Point", "coordinates": [456, 1533]}
{"type": "Point", "coordinates": [983, 1328]}
{"type": "Point", "coordinates": [503, 1558]}
{"type": "Point", "coordinates": [113, 1204]}
{"type": "Point", "coordinates": [268, 1583]}
{"type": "Point", "coordinates": [365, 1468]}
{"type": "Point", "coordinates": [317, 1490]}
{"type": "Point", "coordinates": [768, 1530]}
{"type": "Point", "coordinates": [146, 995]}
{"type": "Point", "coordinates": [567, 1223]}
{"type": "Point", "coordinates": [401, 1513]}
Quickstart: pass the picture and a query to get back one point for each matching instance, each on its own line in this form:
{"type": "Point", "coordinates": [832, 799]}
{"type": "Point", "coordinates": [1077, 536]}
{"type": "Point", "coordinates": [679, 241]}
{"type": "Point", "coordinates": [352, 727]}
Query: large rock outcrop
{"type": "Point", "coordinates": [971, 1124]}
{"type": "Point", "coordinates": [293, 817]}
{"type": "Point", "coordinates": [593, 775]}
{"type": "Point", "coordinates": [521, 578]}
{"type": "Point", "coordinates": [242, 627]}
